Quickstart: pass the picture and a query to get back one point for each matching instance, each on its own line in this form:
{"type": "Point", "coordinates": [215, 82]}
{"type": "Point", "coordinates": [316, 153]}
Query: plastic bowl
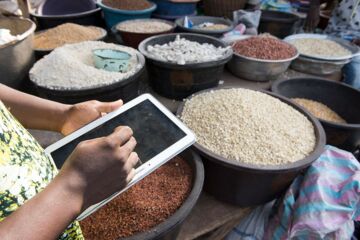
{"type": "Point", "coordinates": [111, 60]}
{"type": "Point", "coordinates": [247, 185]}
{"type": "Point", "coordinates": [172, 10]}
{"type": "Point", "coordinates": [202, 19]}
{"type": "Point", "coordinates": [113, 16]}
{"type": "Point", "coordinates": [340, 97]}
{"type": "Point", "coordinates": [133, 39]}
{"type": "Point", "coordinates": [179, 81]}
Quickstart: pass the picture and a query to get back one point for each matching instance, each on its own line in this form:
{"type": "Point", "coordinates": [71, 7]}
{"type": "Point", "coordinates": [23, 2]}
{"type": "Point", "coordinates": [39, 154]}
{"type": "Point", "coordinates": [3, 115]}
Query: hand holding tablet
{"type": "Point", "coordinates": [159, 134]}
{"type": "Point", "coordinates": [112, 173]}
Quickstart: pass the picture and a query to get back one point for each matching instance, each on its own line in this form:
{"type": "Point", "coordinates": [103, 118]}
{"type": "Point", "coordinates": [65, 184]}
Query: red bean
{"type": "Point", "coordinates": [143, 206]}
{"type": "Point", "coordinates": [268, 48]}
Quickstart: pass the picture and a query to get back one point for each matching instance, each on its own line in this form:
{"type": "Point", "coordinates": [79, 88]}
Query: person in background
{"type": "Point", "coordinates": [37, 201]}
{"type": "Point", "coordinates": [252, 4]}
{"type": "Point", "coordinates": [344, 23]}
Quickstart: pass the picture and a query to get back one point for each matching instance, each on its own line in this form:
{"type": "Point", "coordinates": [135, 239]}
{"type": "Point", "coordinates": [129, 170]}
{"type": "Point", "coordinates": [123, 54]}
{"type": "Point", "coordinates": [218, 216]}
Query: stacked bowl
{"type": "Point", "coordinates": [321, 64]}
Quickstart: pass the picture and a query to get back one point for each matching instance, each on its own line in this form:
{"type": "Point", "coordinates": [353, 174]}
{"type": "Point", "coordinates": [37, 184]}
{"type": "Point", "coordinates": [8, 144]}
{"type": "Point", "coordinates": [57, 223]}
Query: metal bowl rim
{"type": "Point", "coordinates": [25, 34]}
{"type": "Point", "coordinates": [71, 15]}
{"type": "Point", "coordinates": [349, 46]}
{"type": "Point", "coordinates": [265, 60]}
{"type": "Point", "coordinates": [127, 12]}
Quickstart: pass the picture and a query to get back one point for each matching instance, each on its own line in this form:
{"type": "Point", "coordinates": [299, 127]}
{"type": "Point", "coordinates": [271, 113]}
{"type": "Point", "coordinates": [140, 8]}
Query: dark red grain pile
{"type": "Point", "coordinates": [128, 4]}
{"type": "Point", "coordinates": [145, 205]}
{"type": "Point", "coordinates": [261, 47]}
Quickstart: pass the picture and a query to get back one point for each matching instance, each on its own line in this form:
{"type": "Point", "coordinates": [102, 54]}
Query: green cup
{"type": "Point", "coordinates": [111, 60]}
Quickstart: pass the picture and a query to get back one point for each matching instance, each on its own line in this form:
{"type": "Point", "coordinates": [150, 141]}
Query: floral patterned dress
{"type": "Point", "coordinates": [25, 169]}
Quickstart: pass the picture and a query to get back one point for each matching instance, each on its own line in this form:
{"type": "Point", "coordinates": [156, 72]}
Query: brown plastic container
{"type": "Point", "coordinates": [133, 39]}
{"type": "Point", "coordinates": [247, 185]}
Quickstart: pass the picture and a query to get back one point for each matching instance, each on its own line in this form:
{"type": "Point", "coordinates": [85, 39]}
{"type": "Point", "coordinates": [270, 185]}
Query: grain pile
{"type": "Point", "coordinates": [71, 67]}
{"type": "Point", "coordinates": [249, 127]}
{"type": "Point", "coordinates": [319, 110]}
{"type": "Point", "coordinates": [264, 47]}
{"type": "Point", "coordinates": [320, 47]}
{"type": "Point", "coordinates": [143, 206]}
{"type": "Point", "coordinates": [183, 51]}
{"type": "Point", "coordinates": [128, 4]}
{"type": "Point", "coordinates": [144, 26]}
{"type": "Point", "coordinates": [64, 34]}
{"type": "Point", "coordinates": [211, 26]}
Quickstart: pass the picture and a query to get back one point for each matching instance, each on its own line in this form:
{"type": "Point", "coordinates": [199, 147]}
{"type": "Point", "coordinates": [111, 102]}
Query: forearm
{"type": "Point", "coordinates": [33, 112]}
{"type": "Point", "coordinates": [45, 216]}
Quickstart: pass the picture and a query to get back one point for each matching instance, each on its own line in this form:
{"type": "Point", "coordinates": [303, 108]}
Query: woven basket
{"type": "Point", "coordinates": [223, 8]}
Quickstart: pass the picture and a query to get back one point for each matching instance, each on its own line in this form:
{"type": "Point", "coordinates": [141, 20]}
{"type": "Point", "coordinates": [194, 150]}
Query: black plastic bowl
{"type": "Point", "coordinates": [202, 19]}
{"type": "Point", "coordinates": [250, 185]}
{"type": "Point", "coordinates": [89, 18]}
{"type": "Point", "coordinates": [279, 24]}
{"type": "Point", "coordinates": [180, 81]}
{"type": "Point", "coordinates": [340, 97]}
{"type": "Point", "coordinates": [127, 89]}
{"type": "Point", "coordinates": [170, 228]}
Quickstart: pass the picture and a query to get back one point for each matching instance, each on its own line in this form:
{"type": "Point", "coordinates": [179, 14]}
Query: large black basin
{"type": "Point", "coordinates": [340, 97]}
{"type": "Point", "coordinates": [180, 81]}
{"type": "Point", "coordinates": [126, 89]}
{"type": "Point", "coordinates": [248, 184]}
{"type": "Point", "coordinates": [279, 24]}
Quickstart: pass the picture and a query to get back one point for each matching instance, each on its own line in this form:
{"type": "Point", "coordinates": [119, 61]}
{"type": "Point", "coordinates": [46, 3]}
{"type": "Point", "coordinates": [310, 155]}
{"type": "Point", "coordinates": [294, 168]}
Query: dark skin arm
{"type": "Point", "coordinates": [37, 113]}
{"type": "Point", "coordinates": [95, 170]}
{"type": "Point", "coordinates": [313, 16]}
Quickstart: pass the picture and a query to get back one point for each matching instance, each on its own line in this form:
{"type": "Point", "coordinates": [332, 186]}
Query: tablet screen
{"type": "Point", "coordinates": [153, 131]}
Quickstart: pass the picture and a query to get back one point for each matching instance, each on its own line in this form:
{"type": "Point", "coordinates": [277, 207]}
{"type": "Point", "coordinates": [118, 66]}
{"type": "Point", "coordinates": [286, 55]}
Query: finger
{"type": "Point", "coordinates": [128, 147]}
{"type": "Point", "coordinates": [106, 107]}
{"type": "Point", "coordinates": [131, 162]}
{"type": "Point", "coordinates": [130, 176]}
{"type": "Point", "coordinates": [120, 136]}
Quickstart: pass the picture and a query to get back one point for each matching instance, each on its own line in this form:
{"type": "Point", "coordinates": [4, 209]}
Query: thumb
{"type": "Point", "coordinates": [106, 107]}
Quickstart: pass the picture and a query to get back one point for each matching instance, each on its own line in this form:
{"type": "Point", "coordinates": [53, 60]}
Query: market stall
{"type": "Point", "coordinates": [262, 98]}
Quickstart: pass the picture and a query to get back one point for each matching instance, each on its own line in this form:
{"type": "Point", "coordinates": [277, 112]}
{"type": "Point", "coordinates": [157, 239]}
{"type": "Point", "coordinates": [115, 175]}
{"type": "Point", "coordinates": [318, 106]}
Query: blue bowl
{"type": "Point", "coordinates": [172, 10]}
{"type": "Point", "coordinates": [111, 60]}
{"type": "Point", "coordinates": [113, 16]}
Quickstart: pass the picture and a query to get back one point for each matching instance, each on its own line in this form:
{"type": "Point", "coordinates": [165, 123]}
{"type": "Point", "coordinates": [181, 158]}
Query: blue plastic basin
{"type": "Point", "coordinates": [113, 16]}
{"type": "Point", "coordinates": [172, 10]}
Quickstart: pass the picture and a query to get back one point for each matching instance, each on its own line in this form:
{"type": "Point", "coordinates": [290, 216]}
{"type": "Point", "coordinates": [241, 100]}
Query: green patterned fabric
{"type": "Point", "coordinates": [25, 169]}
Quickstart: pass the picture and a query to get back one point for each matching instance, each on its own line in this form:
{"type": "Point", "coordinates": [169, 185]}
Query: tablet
{"type": "Point", "coordinates": [160, 136]}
